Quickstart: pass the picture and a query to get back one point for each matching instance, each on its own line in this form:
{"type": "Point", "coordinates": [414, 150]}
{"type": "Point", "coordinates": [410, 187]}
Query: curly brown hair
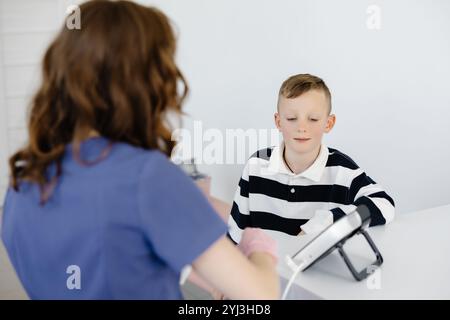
{"type": "Point", "coordinates": [116, 76]}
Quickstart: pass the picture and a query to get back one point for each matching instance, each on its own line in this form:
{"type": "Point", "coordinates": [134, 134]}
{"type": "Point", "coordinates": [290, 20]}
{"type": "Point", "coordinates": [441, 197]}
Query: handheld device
{"type": "Point", "coordinates": [334, 237]}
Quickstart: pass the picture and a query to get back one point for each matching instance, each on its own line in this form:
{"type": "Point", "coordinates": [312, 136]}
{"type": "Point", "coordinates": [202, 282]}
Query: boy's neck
{"type": "Point", "coordinates": [299, 163]}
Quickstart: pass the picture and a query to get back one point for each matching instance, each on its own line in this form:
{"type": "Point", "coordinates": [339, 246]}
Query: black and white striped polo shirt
{"type": "Point", "coordinates": [270, 196]}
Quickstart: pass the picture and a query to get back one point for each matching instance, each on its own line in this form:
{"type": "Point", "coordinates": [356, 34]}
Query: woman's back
{"type": "Point", "coordinates": [96, 236]}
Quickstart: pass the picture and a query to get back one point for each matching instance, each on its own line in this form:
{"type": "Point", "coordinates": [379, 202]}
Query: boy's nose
{"type": "Point", "coordinates": [301, 126]}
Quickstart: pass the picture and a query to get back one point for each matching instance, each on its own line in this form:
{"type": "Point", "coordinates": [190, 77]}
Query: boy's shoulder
{"type": "Point", "coordinates": [264, 153]}
{"type": "Point", "coordinates": [338, 158]}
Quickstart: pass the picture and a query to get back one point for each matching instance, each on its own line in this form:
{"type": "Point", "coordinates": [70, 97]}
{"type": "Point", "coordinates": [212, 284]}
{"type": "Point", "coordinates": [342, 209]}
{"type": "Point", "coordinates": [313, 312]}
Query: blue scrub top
{"type": "Point", "coordinates": [120, 229]}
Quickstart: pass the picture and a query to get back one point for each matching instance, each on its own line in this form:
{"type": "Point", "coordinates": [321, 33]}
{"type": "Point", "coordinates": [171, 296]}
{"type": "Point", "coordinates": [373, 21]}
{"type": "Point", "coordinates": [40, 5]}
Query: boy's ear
{"type": "Point", "coordinates": [277, 119]}
{"type": "Point", "coordinates": [330, 123]}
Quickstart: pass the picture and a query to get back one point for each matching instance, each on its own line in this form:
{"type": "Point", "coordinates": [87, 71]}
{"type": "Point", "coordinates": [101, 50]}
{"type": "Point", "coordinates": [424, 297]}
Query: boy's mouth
{"type": "Point", "coordinates": [302, 139]}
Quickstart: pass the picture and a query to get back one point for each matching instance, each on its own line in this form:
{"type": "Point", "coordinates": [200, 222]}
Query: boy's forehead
{"type": "Point", "coordinates": [313, 100]}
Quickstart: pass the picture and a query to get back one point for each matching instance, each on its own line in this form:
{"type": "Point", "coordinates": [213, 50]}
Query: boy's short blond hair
{"type": "Point", "coordinates": [298, 84]}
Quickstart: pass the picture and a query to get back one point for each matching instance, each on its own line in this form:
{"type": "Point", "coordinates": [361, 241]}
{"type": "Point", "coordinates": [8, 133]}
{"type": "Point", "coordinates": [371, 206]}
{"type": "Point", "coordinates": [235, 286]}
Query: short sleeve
{"type": "Point", "coordinates": [177, 219]}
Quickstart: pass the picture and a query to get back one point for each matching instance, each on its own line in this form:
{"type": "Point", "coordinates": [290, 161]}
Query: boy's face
{"type": "Point", "coordinates": [303, 121]}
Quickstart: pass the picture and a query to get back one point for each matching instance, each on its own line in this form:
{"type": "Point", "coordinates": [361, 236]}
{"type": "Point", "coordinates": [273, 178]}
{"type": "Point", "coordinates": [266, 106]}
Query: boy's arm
{"type": "Point", "coordinates": [240, 215]}
{"type": "Point", "coordinates": [363, 190]}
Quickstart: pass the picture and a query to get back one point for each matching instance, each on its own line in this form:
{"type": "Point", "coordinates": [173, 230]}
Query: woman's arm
{"type": "Point", "coordinates": [229, 271]}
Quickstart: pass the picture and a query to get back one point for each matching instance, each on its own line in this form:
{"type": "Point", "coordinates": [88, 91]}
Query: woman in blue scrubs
{"type": "Point", "coordinates": [95, 209]}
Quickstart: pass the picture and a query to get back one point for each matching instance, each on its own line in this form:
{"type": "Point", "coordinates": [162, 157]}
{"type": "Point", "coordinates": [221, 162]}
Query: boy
{"type": "Point", "coordinates": [302, 186]}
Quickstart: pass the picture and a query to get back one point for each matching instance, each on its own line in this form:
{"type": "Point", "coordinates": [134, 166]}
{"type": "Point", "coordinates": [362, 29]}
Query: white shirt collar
{"type": "Point", "coordinates": [314, 172]}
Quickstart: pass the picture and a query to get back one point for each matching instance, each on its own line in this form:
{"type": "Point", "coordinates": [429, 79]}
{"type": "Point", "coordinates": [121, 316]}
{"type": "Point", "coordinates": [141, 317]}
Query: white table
{"type": "Point", "coordinates": [416, 252]}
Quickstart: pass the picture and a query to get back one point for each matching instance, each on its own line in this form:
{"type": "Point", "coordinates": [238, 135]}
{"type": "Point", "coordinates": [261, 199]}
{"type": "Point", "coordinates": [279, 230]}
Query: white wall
{"type": "Point", "coordinates": [390, 87]}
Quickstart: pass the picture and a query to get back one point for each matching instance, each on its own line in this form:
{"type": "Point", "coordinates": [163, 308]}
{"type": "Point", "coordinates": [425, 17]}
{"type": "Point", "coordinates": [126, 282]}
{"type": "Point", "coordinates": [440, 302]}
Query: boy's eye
{"type": "Point", "coordinates": [314, 119]}
{"type": "Point", "coordinates": [291, 119]}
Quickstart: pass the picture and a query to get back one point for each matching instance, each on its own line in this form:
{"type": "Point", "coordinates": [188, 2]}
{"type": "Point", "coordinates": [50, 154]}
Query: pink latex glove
{"type": "Point", "coordinates": [256, 240]}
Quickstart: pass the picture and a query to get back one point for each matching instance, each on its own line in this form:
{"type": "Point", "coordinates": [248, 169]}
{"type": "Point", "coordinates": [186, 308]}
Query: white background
{"type": "Point", "coordinates": [390, 87]}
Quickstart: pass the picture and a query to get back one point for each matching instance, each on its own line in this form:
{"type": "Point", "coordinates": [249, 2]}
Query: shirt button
{"type": "Point", "coordinates": [292, 190]}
